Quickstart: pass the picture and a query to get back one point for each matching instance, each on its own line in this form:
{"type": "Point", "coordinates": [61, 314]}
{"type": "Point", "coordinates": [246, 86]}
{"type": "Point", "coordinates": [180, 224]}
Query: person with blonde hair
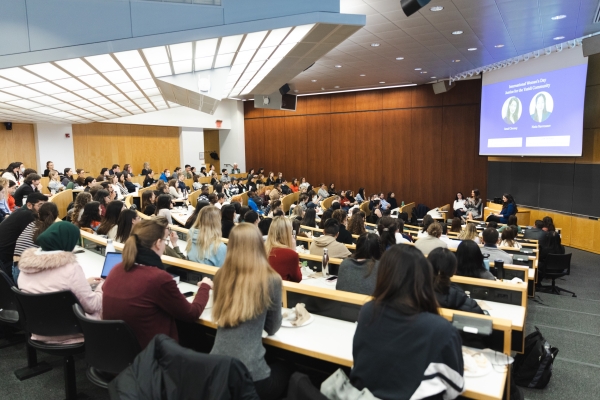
{"type": "Point", "coordinates": [54, 183]}
{"type": "Point", "coordinates": [140, 292]}
{"type": "Point", "coordinates": [280, 249]}
{"type": "Point", "coordinates": [204, 238]}
{"type": "Point", "coordinates": [247, 300]}
{"type": "Point", "coordinates": [469, 233]}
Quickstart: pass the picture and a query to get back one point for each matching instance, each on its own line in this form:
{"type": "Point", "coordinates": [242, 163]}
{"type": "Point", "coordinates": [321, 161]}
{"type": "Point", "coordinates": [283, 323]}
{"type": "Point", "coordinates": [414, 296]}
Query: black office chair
{"type": "Point", "coordinates": [111, 346]}
{"type": "Point", "coordinates": [51, 314]}
{"type": "Point", "coordinates": [10, 315]}
{"type": "Point", "coordinates": [557, 266]}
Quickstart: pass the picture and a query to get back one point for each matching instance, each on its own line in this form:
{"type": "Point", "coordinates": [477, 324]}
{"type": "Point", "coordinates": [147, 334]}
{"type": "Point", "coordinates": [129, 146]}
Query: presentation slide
{"type": "Point", "coordinates": [540, 114]}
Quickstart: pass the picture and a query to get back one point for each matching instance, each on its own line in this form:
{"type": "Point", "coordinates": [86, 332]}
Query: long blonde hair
{"type": "Point", "coordinates": [208, 224]}
{"type": "Point", "coordinates": [52, 175]}
{"type": "Point", "coordinates": [241, 286]}
{"type": "Point", "coordinates": [469, 233]}
{"type": "Point", "coordinates": [280, 235]}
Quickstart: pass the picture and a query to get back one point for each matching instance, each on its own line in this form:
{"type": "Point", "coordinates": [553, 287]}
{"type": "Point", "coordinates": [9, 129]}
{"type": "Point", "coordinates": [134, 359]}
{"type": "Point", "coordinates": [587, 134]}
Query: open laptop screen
{"type": "Point", "coordinates": [110, 261]}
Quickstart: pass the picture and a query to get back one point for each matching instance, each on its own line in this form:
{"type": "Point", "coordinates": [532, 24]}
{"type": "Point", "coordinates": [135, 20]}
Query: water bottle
{"type": "Point", "coordinates": [402, 203]}
{"type": "Point", "coordinates": [325, 263]}
{"type": "Point", "coordinates": [499, 265]}
{"type": "Point", "coordinates": [486, 261]}
{"type": "Point", "coordinates": [110, 248]}
{"type": "Point", "coordinates": [294, 238]}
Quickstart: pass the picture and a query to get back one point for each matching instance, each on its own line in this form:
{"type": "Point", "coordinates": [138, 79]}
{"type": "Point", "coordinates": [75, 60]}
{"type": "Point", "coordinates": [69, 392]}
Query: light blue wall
{"type": "Point", "coordinates": [150, 18]}
{"type": "Point", "coordinates": [250, 10]}
{"type": "Point", "coordinates": [61, 23]}
{"type": "Point", "coordinates": [14, 37]}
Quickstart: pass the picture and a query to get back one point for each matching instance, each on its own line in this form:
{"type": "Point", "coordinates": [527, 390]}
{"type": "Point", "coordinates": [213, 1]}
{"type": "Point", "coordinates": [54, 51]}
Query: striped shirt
{"type": "Point", "coordinates": [25, 240]}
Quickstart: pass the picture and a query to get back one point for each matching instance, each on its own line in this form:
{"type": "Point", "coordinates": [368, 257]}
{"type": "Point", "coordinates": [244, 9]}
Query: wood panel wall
{"type": "Point", "coordinates": [100, 145]}
{"type": "Point", "coordinates": [18, 145]}
{"type": "Point", "coordinates": [211, 143]}
{"type": "Point", "coordinates": [422, 146]}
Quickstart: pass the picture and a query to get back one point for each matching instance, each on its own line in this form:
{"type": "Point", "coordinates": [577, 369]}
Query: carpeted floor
{"type": "Point", "coordinates": [571, 324]}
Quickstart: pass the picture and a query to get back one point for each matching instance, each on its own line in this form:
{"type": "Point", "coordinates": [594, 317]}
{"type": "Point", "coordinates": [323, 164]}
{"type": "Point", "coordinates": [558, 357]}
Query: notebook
{"type": "Point", "coordinates": [110, 261]}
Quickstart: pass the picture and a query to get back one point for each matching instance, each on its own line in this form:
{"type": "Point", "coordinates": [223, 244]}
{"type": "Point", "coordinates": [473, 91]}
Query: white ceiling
{"type": "Point", "coordinates": [425, 40]}
{"type": "Point", "coordinates": [108, 86]}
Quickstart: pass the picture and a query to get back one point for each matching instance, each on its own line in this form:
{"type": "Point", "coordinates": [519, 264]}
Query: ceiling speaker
{"type": "Point", "coordinates": [284, 89]}
{"type": "Point", "coordinates": [412, 6]}
{"type": "Point", "coordinates": [8, 126]}
{"type": "Point", "coordinates": [442, 87]}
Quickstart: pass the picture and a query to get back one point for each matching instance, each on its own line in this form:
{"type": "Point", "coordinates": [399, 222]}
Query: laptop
{"type": "Point", "coordinates": [110, 261]}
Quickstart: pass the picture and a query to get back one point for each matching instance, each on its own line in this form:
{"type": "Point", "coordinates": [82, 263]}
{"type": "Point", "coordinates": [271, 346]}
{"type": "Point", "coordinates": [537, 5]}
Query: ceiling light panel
{"type": "Point", "coordinates": [130, 59]}
{"type": "Point", "coordinates": [24, 104]}
{"type": "Point", "coordinates": [181, 51]}
{"type": "Point", "coordinates": [68, 97]}
{"type": "Point", "coordinates": [20, 76]}
{"type": "Point", "coordinates": [117, 77]}
{"type": "Point", "coordinates": [5, 97]}
{"type": "Point", "coordinates": [206, 48]}
{"type": "Point", "coordinates": [47, 71]}
{"type": "Point", "coordinates": [275, 37]}
{"type": "Point", "coordinates": [107, 90]}
{"type": "Point", "coordinates": [103, 63]}
{"type": "Point", "coordinates": [224, 60]}
{"type": "Point", "coordinates": [156, 55]}
{"type": "Point", "coordinates": [264, 53]}
{"type": "Point", "coordinates": [76, 66]}
{"type": "Point", "coordinates": [127, 86]}
{"type": "Point", "coordinates": [182, 67]}
{"type": "Point", "coordinates": [146, 84]}
{"type": "Point", "coordinates": [46, 88]}
{"type": "Point", "coordinates": [204, 63]}
{"type": "Point", "coordinates": [229, 44]}
{"type": "Point", "coordinates": [298, 33]}
{"type": "Point", "coordinates": [46, 100]}
{"type": "Point", "coordinates": [21, 91]}
{"type": "Point", "coordinates": [253, 40]}
{"type": "Point", "coordinates": [243, 57]}
{"type": "Point", "coordinates": [4, 83]}
{"type": "Point", "coordinates": [70, 84]}
{"type": "Point", "coordinates": [161, 70]}
{"type": "Point", "coordinates": [139, 73]}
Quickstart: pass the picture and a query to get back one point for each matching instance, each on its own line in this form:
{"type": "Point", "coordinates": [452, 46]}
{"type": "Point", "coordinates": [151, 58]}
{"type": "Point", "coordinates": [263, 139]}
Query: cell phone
{"type": "Point", "coordinates": [331, 278]}
{"type": "Point", "coordinates": [188, 294]}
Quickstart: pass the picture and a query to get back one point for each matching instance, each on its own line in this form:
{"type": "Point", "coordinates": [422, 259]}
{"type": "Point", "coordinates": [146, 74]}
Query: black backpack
{"type": "Point", "coordinates": [533, 368]}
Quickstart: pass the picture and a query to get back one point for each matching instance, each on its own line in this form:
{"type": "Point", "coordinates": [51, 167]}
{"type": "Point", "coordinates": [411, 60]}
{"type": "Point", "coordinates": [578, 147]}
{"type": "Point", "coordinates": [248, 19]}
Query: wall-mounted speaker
{"type": "Point", "coordinates": [8, 126]}
{"type": "Point", "coordinates": [412, 6]}
{"type": "Point", "coordinates": [442, 87]}
{"type": "Point", "coordinates": [284, 89]}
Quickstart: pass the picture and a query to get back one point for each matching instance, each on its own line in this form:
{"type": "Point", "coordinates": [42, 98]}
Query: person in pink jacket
{"type": "Point", "coordinates": [53, 268]}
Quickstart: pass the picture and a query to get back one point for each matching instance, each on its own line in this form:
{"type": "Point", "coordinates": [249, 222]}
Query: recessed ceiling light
{"type": "Point", "coordinates": [336, 87]}
{"type": "Point", "coordinates": [363, 75]}
{"type": "Point", "coordinates": [436, 8]}
{"type": "Point", "coordinates": [295, 90]}
{"type": "Point", "coordinates": [313, 80]}
{"type": "Point", "coordinates": [418, 69]}
{"type": "Point", "coordinates": [559, 38]}
{"type": "Point", "coordinates": [399, 58]}
{"type": "Point", "coordinates": [472, 49]}
{"type": "Point", "coordinates": [381, 82]}
{"type": "Point", "coordinates": [457, 32]}
{"type": "Point", "coordinates": [455, 60]}
{"type": "Point", "coordinates": [558, 17]}
{"type": "Point", "coordinates": [423, 72]}
{"type": "Point", "coordinates": [434, 77]}
{"type": "Point", "coordinates": [322, 88]}
{"type": "Point", "coordinates": [375, 44]}
{"type": "Point", "coordinates": [338, 66]}
{"type": "Point", "coordinates": [498, 46]}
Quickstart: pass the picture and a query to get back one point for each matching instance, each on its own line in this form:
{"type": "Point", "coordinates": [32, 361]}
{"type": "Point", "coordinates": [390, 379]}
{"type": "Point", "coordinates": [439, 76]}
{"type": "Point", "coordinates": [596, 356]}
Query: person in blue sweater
{"type": "Point", "coordinates": [254, 202]}
{"type": "Point", "coordinates": [509, 207]}
{"type": "Point", "coordinates": [204, 239]}
{"type": "Point", "coordinates": [165, 175]}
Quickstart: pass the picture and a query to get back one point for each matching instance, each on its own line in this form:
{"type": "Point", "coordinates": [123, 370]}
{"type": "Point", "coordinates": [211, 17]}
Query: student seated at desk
{"type": "Point", "coordinates": [29, 186]}
{"type": "Point", "coordinates": [131, 188]}
{"type": "Point", "coordinates": [432, 240]}
{"type": "Point", "coordinates": [448, 294]}
{"type": "Point", "coordinates": [140, 292]}
{"type": "Point", "coordinates": [356, 225]}
{"type": "Point", "coordinates": [470, 261]}
{"type": "Point", "coordinates": [536, 233]}
{"type": "Point", "coordinates": [342, 217]}
{"type": "Point", "coordinates": [417, 352]}
{"type": "Point", "coordinates": [512, 221]}
{"type": "Point", "coordinates": [148, 200]}
{"type": "Point", "coordinates": [227, 220]}
{"type": "Point", "coordinates": [108, 226]}
{"type": "Point", "coordinates": [54, 182]}
{"type": "Point", "coordinates": [358, 274]}
{"type": "Point", "coordinates": [163, 207]}
{"type": "Point", "coordinates": [54, 268]}
{"type": "Point", "coordinates": [88, 183]}
{"type": "Point", "coordinates": [247, 300]}
{"type": "Point", "coordinates": [102, 196]}
{"type": "Point", "coordinates": [331, 229]}
{"type": "Point", "coordinates": [469, 233]}
{"type": "Point", "coordinates": [204, 238]}
{"type": "Point", "coordinates": [427, 220]}
{"type": "Point", "coordinates": [174, 191]}
{"type": "Point", "coordinates": [149, 179]}
{"type": "Point", "coordinates": [127, 219]}
{"type": "Point", "coordinates": [490, 239]}
{"type": "Point", "coordinates": [507, 239]}
{"type": "Point", "coordinates": [91, 218]}
{"type": "Point", "coordinates": [280, 249]}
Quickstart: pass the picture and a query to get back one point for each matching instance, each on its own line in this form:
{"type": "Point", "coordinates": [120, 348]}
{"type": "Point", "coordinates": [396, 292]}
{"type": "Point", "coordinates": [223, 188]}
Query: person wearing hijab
{"type": "Point", "coordinates": [54, 268]}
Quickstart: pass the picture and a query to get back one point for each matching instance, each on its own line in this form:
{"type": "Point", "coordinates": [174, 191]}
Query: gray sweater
{"type": "Point", "coordinates": [244, 342]}
{"type": "Point", "coordinates": [351, 276]}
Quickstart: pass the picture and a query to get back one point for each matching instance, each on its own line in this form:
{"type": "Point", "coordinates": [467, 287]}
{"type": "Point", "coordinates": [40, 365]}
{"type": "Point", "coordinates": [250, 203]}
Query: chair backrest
{"type": "Point", "coordinates": [557, 263]}
{"type": "Point", "coordinates": [8, 300]}
{"type": "Point", "coordinates": [49, 314]}
{"type": "Point", "coordinates": [110, 346]}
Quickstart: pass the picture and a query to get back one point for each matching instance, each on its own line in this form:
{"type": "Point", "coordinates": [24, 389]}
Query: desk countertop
{"type": "Point", "coordinates": [326, 338]}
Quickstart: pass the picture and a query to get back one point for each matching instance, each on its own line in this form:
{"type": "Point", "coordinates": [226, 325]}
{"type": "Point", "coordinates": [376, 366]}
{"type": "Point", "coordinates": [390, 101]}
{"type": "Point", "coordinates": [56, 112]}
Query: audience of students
{"type": "Point", "coordinates": [432, 241]}
{"type": "Point", "coordinates": [536, 233]}
{"type": "Point", "coordinates": [512, 221]}
{"type": "Point", "coordinates": [90, 218]}
{"type": "Point", "coordinates": [344, 236]}
{"type": "Point", "coordinates": [140, 292]}
{"type": "Point", "coordinates": [507, 239]}
{"type": "Point", "coordinates": [448, 294]}
{"type": "Point", "coordinates": [328, 241]}
{"type": "Point", "coordinates": [31, 184]}
{"type": "Point", "coordinates": [456, 226]}
{"type": "Point", "coordinates": [280, 248]}
{"type": "Point", "coordinates": [126, 222]}
{"type": "Point", "coordinates": [109, 224]}
{"type": "Point", "coordinates": [163, 207]}
{"type": "Point", "coordinates": [404, 315]}
{"type": "Point", "coordinates": [469, 233]}
{"type": "Point", "coordinates": [358, 273]}
{"type": "Point", "coordinates": [356, 225]}
{"type": "Point", "coordinates": [470, 261]}
{"type": "Point", "coordinates": [204, 238]}
{"type": "Point", "coordinates": [247, 300]}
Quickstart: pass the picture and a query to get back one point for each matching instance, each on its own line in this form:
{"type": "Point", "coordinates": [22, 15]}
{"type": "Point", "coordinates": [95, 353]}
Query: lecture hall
{"type": "Point", "coordinates": [309, 200]}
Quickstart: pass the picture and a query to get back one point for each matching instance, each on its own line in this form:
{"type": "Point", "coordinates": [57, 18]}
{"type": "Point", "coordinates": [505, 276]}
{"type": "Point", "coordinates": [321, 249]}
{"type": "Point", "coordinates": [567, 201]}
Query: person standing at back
{"type": "Point", "coordinates": [417, 352]}
{"type": "Point", "coordinates": [247, 300]}
{"type": "Point", "coordinates": [235, 169]}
